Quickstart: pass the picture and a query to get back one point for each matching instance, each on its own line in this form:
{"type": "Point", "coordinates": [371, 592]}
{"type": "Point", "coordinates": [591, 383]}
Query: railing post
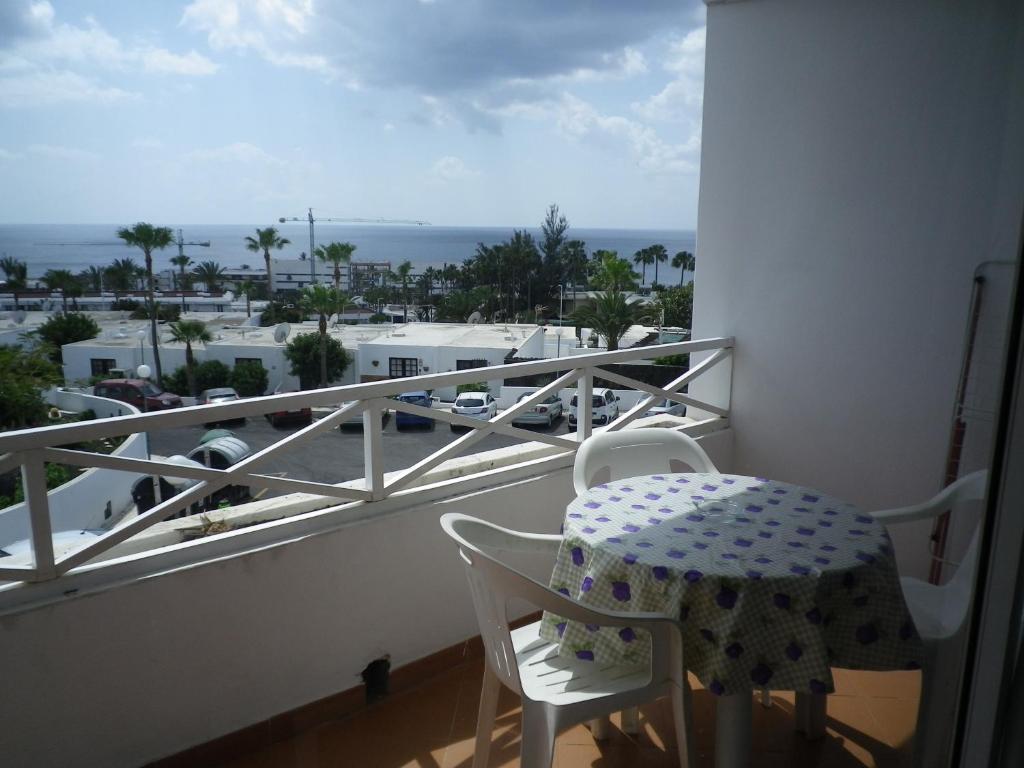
{"type": "Point", "coordinates": [33, 478]}
{"type": "Point", "coordinates": [585, 405]}
{"type": "Point", "coordinates": [373, 450]}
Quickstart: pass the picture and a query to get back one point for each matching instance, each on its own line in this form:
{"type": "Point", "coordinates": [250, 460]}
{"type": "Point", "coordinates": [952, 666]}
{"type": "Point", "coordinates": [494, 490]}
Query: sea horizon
{"type": "Point", "coordinates": [78, 246]}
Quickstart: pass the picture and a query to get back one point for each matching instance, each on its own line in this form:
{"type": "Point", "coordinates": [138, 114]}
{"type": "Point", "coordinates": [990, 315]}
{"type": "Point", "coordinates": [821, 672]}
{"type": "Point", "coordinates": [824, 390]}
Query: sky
{"type": "Point", "coordinates": [457, 112]}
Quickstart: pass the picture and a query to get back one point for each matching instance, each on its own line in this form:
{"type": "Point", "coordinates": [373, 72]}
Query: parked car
{"type": "Point", "coordinates": [355, 421]}
{"type": "Point", "coordinates": [219, 395]}
{"type": "Point", "coordinates": [403, 419]}
{"type": "Point", "coordinates": [296, 416]}
{"type": "Point", "coordinates": [666, 407]}
{"type": "Point", "coordinates": [547, 411]}
{"type": "Point", "coordinates": [143, 394]}
{"type": "Point", "coordinates": [604, 407]}
{"type": "Point", "coordinates": [476, 405]}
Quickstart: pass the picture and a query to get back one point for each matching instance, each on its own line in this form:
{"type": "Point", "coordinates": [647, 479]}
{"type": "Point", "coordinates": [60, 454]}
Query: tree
{"type": "Point", "coordinates": [24, 374]}
{"type": "Point", "coordinates": [148, 238]}
{"type": "Point", "coordinates": [64, 281]}
{"type": "Point", "coordinates": [121, 275]}
{"type": "Point", "coordinates": [210, 273]}
{"type": "Point", "coordinates": [660, 255]}
{"type": "Point", "coordinates": [323, 302]}
{"type": "Point", "coordinates": [553, 230]}
{"type": "Point", "coordinates": [305, 354]}
{"type": "Point", "coordinates": [188, 332]}
{"type": "Point", "coordinates": [16, 273]}
{"type": "Point", "coordinates": [66, 328]}
{"type": "Point", "coordinates": [209, 374]}
{"type": "Point", "coordinates": [610, 314]}
{"type": "Point", "coordinates": [677, 304]}
{"type": "Point", "coordinates": [403, 274]}
{"type": "Point", "coordinates": [574, 258]}
{"type": "Point", "coordinates": [93, 278]}
{"type": "Point", "coordinates": [612, 273]}
{"type": "Point", "coordinates": [336, 254]}
{"type": "Point", "coordinates": [249, 378]}
{"type": "Point", "coordinates": [684, 261]}
{"type": "Point", "coordinates": [265, 240]}
{"type": "Point", "coordinates": [247, 287]}
{"type": "Point", "coordinates": [643, 257]}
{"type": "Point", "coordinates": [521, 255]}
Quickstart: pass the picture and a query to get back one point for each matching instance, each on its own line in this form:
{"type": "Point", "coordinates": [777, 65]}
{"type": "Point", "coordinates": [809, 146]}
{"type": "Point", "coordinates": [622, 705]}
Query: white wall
{"type": "Point", "coordinates": [174, 660]}
{"type": "Point", "coordinates": [855, 168]}
{"type": "Point", "coordinates": [81, 502]}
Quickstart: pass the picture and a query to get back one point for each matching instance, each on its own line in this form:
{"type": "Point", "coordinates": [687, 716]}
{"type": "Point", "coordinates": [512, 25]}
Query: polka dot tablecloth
{"type": "Point", "coordinates": [774, 583]}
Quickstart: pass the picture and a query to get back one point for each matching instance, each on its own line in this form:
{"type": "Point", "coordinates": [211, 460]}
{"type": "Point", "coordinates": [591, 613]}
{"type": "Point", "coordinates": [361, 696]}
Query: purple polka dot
{"type": "Point", "coordinates": [629, 558]}
{"type": "Point", "coordinates": [652, 496]}
{"type": "Point", "coordinates": [813, 616]}
{"type": "Point", "coordinates": [734, 650]}
{"type": "Point", "coordinates": [627, 634]}
{"type": "Point", "coordinates": [743, 542]}
{"type": "Point", "coordinates": [682, 480]}
{"type": "Point", "coordinates": [781, 600]}
{"type": "Point", "coordinates": [794, 651]}
{"type": "Point", "coordinates": [658, 477]}
{"type": "Point", "coordinates": [708, 635]}
{"type": "Point", "coordinates": [592, 504]}
{"type": "Point", "coordinates": [637, 506]}
{"type": "Point", "coordinates": [761, 674]}
{"type": "Point", "coordinates": [626, 489]}
{"type": "Point", "coordinates": [577, 556]}
{"type": "Point", "coordinates": [864, 519]}
{"type": "Point", "coordinates": [587, 585]}
{"type": "Point", "coordinates": [726, 598]}
{"type": "Point", "coordinates": [654, 521]}
{"type": "Point", "coordinates": [795, 544]}
{"type": "Point", "coordinates": [695, 518]}
{"type": "Point", "coordinates": [700, 545]}
{"type": "Point", "coordinates": [763, 560]}
{"type": "Point", "coordinates": [630, 528]}
{"type": "Point", "coordinates": [773, 501]}
{"type": "Point", "coordinates": [822, 560]}
{"type": "Point", "coordinates": [676, 554]}
{"type": "Point", "coordinates": [614, 498]}
{"type": "Point", "coordinates": [693, 576]}
{"type": "Point", "coordinates": [644, 544]}
{"type": "Point", "coordinates": [620, 591]}
{"type": "Point", "coordinates": [800, 570]}
{"type": "Point", "coordinates": [560, 628]}
{"type": "Point", "coordinates": [563, 591]}
{"type": "Point", "coordinates": [825, 523]}
{"type": "Point", "coordinates": [754, 508]}
{"type": "Point", "coordinates": [666, 510]}
{"type": "Point", "coordinates": [716, 687]}
{"type": "Point", "coordinates": [709, 487]}
{"type": "Point", "coordinates": [865, 557]}
{"type": "Point", "coordinates": [603, 519]}
{"type": "Point", "coordinates": [729, 556]}
{"type": "Point", "coordinates": [773, 523]}
{"type": "Point", "coordinates": [613, 540]}
{"type": "Point", "coordinates": [588, 529]}
{"type": "Point", "coordinates": [913, 665]}
{"type": "Point", "coordinates": [660, 572]}
{"type": "Point", "coordinates": [805, 531]}
{"type": "Point", "coordinates": [866, 634]}
{"type": "Point", "coordinates": [755, 575]}
{"type": "Point", "coordinates": [765, 534]}
{"type": "Point", "coordinates": [585, 655]}
{"type": "Point", "coordinates": [808, 497]}
{"type": "Point", "coordinates": [712, 534]}
{"type": "Point", "coordinates": [681, 530]}
{"type": "Point", "coordinates": [831, 512]}
{"type": "Point", "coordinates": [856, 532]}
{"type": "Point", "coordinates": [592, 627]}
{"type": "Point", "coordinates": [817, 686]}
{"type": "Point", "coordinates": [780, 491]}
{"type": "Point", "coordinates": [697, 497]}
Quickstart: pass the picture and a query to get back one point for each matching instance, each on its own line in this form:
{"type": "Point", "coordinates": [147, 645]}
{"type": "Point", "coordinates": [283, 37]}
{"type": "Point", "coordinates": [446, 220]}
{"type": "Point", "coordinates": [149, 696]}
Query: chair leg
{"type": "Point", "coordinates": [537, 744]}
{"type": "Point", "coordinates": [600, 728]}
{"type": "Point", "coordinates": [733, 726]}
{"type": "Point", "coordinates": [682, 719]}
{"type": "Point", "coordinates": [810, 714]}
{"type": "Point", "coordinates": [485, 717]}
{"type": "Point", "coordinates": [766, 698]}
{"type": "Point", "coordinates": [631, 720]}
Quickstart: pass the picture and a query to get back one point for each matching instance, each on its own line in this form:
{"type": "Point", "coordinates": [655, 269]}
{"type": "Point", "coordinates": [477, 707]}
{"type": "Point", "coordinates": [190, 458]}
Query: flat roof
{"type": "Point", "coordinates": [458, 335]}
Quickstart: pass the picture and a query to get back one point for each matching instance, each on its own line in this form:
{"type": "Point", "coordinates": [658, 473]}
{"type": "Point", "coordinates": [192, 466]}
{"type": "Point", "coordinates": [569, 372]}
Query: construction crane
{"type": "Point", "coordinates": [312, 238]}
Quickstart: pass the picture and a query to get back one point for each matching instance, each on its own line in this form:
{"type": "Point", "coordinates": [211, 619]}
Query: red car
{"type": "Point", "coordinates": [143, 394]}
{"type": "Point", "coordinates": [299, 416]}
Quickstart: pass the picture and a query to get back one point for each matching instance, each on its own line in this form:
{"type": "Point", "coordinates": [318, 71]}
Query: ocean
{"type": "Point", "coordinates": [77, 246]}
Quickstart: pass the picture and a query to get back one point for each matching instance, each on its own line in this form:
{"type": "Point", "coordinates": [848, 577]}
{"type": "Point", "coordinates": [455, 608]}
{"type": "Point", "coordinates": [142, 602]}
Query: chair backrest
{"type": "Point", "coordinates": [965, 491]}
{"type": "Point", "coordinates": [608, 456]}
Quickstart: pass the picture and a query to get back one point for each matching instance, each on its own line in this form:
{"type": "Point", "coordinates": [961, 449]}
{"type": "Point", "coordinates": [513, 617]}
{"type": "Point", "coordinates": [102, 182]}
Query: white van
{"type": "Point", "coordinates": [604, 409]}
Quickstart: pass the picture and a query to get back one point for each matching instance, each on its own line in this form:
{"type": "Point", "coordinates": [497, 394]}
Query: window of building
{"type": "Point", "coordinates": [463, 365]}
{"type": "Point", "coordinates": [100, 366]}
{"type": "Point", "coordinates": [404, 366]}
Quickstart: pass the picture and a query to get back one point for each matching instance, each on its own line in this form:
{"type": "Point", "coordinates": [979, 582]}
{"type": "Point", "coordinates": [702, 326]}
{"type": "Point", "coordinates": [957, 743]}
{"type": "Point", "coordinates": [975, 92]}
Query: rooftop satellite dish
{"type": "Point", "coordinates": [281, 332]}
{"type": "Point", "coordinates": [19, 316]}
{"type": "Point", "coordinates": [475, 318]}
{"type": "Point", "coordinates": [229, 296]}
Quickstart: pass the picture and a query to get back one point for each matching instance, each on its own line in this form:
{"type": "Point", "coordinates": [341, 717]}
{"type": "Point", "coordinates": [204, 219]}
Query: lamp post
{"type": "Point", "coordinates": [142, 350]}
{"type": "Point", "coordinates": [561, 297]}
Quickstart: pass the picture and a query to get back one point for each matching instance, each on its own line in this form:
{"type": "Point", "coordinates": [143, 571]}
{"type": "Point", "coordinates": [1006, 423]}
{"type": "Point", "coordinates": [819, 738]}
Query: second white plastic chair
{"type": "Point", "coordinates": [607, 456]}
{"type": "Point", "coordinates": [556, 692]}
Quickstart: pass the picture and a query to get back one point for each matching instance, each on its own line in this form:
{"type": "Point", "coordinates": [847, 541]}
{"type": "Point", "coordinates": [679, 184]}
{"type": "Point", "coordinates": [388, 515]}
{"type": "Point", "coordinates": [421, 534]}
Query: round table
{"type": "Point", "coordinates": [774, 583]}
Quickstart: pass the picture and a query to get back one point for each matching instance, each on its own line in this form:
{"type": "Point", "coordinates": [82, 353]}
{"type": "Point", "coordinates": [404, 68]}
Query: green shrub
{"type": "Point", "coordinates": [125, 305]}
{"type": "Point", "coordinates": [480, 386]}
{"type": "Point", "coordinates": [167, 312]}
{"type": "Point", "coordinates": [378, 317]}
{"type": "Point", "coordinates": [303, 354]}
{"type": "Point", "coordinates": [66, 328]}
{"type": "Point", "coordinates": [249, 379]}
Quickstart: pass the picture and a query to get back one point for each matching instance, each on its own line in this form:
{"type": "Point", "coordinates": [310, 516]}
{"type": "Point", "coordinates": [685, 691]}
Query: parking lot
{"type": "Point", "coordinates": [337, 455]}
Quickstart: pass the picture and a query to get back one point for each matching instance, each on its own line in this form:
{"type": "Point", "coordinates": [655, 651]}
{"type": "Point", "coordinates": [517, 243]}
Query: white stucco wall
{"type": "Point", "coordinates": [81, 502]}
{"type": "Point", "coordinates": [858, 162]}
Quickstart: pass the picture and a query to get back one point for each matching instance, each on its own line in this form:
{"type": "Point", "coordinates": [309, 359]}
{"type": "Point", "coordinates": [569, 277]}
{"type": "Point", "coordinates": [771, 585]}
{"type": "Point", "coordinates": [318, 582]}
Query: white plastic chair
{"type": "Point", "coordinates": [607, 456]}
{"type": "Point", "coordinates": [557, 692]}
{"type": "Point", "coordinates": [939, 614]}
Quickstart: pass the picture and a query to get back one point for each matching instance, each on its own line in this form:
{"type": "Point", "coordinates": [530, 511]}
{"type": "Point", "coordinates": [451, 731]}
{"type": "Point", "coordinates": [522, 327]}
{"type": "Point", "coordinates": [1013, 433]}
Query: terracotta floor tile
{"type": "Point", "coordinates": [888, 685]}
{"type": "Point", "coordinates": [897, 719]}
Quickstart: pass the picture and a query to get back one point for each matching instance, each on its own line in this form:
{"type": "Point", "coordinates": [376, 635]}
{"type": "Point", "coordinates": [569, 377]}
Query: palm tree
{"type": "Point", "coordinates": [120, 275]}
{"type": "Point", "coordinates": [265, 240]}
{"type": "Point", "coordinates": [684, 261]}
{"type": "Point", "coordinates": [210, 273]}
{"type": "Point", "coordinates": [659, 254]}
{"type": "Point", "coordinates": [64, 281]}
{"type": "Point", "coordinates": [182, 262]}
{"type": "Point", "coordinates": [644, 257]}
{"type": "Point", "coordinates": [148, 238]}
{"type": "Point", "coordinates": [92, 277]}
{"type": "Point", "coordinates": [402, 273]}
{"type": "Point", "coordinates": [611, 314]}
{"type": "Point", "coordinates": [17, 275]}
{"type": "Point", "coordinates": [574, 257]}
{"type": "Point", "coordinates": [188, 332]}
{"type": "Point", "coordinates": [323, 302]}
{"type": "Point", "coordinates": [613, 273]}
{"type": "Point", "coordinates": [337, 254]}
{"type": "Point", "coordinates": [247, 287]}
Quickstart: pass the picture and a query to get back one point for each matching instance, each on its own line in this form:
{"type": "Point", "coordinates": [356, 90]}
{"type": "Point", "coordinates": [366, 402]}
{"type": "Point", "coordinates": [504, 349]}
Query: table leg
{"type": "Point", "coordinates": [733, 726]}
{"type": "Point", "coordinates": [810, 714]}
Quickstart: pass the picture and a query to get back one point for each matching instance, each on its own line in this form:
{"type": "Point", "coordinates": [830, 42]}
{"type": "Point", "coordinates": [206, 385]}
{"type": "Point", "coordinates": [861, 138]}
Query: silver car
{"type": "Point", "coordinates": [666, 407]}
{"type": "Point", "coordinates": [547, 411]}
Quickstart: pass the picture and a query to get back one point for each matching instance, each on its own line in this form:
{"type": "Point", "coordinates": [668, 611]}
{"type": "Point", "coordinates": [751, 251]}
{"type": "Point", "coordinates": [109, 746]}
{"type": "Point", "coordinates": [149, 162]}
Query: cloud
{"type": "Point", "coordinates": [8, 155]}
{"type": "Point", "coordinates": [683, 97]}
{"type": "Point", "coordinates": [147, 142]}
{"type": "Point", "coordinates": [239, 152]}
{"type": "Point", "coordinates": [62, 153]}
{"type": "Point", "coordinates": [450, 168]}
{"type": "Point", "coordinates": [43, 61]}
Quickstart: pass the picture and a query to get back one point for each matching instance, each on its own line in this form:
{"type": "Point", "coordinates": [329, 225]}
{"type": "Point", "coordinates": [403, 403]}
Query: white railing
{"type": "Point", "coordinates": [32, 449]}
